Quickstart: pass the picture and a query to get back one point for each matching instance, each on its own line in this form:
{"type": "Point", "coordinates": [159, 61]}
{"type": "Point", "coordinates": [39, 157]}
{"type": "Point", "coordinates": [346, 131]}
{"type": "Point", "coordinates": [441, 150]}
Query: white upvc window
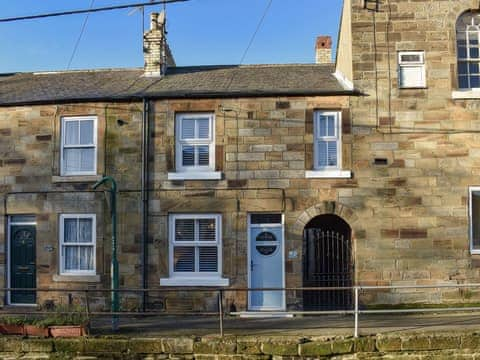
{"type": "Point", "coordinates": [327, 140]}
{"type": "Point", "coordinates": [474, 219]}
{"type": "Point", "coordinates": [77, 244]}
{"type": "Point", "coordinates": [411, 69]}
{"type": "Point", "coordinates": [195, 250]}
{"type": "Point", "coordinates": [78, 155]}
{"type": "Point", "coordinates": [195, 144]}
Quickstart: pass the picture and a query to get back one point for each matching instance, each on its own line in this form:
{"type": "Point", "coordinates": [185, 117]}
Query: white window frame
{"type": "Point", "coordinates": [195, 278]}
{"type": "Point", "coordinates": [471, 190]}
{"type": "Point", "coordinates": [61, 230]}
{"type": "Point", "coordinates": [179, 142]}
{"type": "Point", "coordinates": [66, 119]}
{"type": "Point", "coordinates": [337, 137]}
{"type": "Point", "coordinates": [422, 83]}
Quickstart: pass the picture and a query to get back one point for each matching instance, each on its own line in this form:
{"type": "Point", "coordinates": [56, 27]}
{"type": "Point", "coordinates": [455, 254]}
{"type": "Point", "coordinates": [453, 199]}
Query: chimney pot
{"type": "Point", "coordinates": [323, 50]}
{"type": "Point", "coordinates": [154, 21]}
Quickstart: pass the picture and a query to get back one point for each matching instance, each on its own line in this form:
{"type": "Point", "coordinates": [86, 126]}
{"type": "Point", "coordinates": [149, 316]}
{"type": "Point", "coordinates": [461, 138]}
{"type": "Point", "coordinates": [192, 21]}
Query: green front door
{"type": "Point", "coordinates": [22, 263]}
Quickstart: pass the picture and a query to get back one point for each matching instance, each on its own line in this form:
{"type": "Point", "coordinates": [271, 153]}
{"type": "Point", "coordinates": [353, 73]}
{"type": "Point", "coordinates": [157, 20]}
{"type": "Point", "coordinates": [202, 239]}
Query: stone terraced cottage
{"type": "Point", "coordinates": [360, 172]}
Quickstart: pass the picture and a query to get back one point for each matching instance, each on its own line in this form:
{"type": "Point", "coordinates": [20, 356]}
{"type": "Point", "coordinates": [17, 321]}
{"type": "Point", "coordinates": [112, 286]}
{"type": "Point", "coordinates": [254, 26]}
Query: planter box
{"type": "Point", "coordinates": [33, 330]}
{"type": "Point", "coordinates": [10, 329]}
{"type": "Point", "coordinates": [67, 331]}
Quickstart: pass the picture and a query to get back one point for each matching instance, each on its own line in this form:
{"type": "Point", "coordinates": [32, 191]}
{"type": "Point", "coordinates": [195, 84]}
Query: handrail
{"type": "Point", "coordinates": [221, 296]}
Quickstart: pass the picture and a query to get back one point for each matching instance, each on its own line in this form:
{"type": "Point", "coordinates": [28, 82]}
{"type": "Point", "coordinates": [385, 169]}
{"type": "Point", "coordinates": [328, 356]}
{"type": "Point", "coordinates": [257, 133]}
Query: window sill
{"type": "Point", "coordinates": [466, 94]}
{"type": "Point", "coordinates": [207, 175]}
{"type": "Point", "coordinates": [328, 174]}
{"type": "Point", "coordinates": [76, 179]}
{"type": "Point", "coordinates": [77, 278]}
{"type": "Point", "coordinates": [192, 281]}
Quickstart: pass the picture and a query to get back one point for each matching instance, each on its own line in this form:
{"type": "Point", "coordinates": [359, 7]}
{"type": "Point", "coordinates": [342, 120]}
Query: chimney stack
{"type": "Point", "coordinates": [156, 52]}
{"type": "Point", "coordinates": [323, 50]}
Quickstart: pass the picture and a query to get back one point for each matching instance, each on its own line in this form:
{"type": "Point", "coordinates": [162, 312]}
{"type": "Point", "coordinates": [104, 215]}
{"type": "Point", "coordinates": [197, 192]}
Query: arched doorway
{"type": "Point", "coordinates": [327, 262]}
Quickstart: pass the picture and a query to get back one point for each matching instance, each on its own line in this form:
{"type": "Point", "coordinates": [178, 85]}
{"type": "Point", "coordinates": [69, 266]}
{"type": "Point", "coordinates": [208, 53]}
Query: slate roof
{"type": "Point", "coordinates": [189, 82]}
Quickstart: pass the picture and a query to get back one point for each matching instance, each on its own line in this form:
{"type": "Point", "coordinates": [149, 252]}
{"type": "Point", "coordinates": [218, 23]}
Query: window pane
{"type": "Point", "coordinates": [71, 258]}
{"type": "Point", "coordinates": [472, 38]}
{"type": "Point", "coordinates": [184, 230]}
{"type": "Point", "coordinates": [71, 160]}
{"type": "Point", "coordinates": [474, 53]}
{"type": "Point", "coordinates": [188, 129]}
{"type": "Point", "coordinates": [474, 81]}
{"type": "Point", "coordinates": [206, 230]}
{"type": "Point", "coordinates": [87, 160]}
{"type": "Point", "coordinates": [70, 230]}
{"type": "Point", "coordinates": [85, 234]}
{"type": "Point", "coordinates": [208, 259]}
{"type": "Point", "coordinates": [71, 133]}
{"type": "Point", "coordinates": [462, 52]}
{"type": "Point", "coordinates": [322, 125]}
{"type": "Point", "coordinates": [85, 261]}
{"type": "Point", "coordinates": [86, 132]}
{"type": "Point", "coordinates": [184, 258]}
{"type": "Point", "coordinates": [327, 153]}
{"type": "Point", "coordinates": [332, 153]}
{"type": "Point", "coordinates": [331, 125]}
{"type": "Point", "coordinates": [203, 128]}
{"type": "Point", "coordinates": [322, 154]}
{"type": "Point", "coordinates": [266, 219]}
{"type": "Point", "coordinates": [462, 68]}
{"type": "Point", "coordinates": [473, 68]}
{"type": "Point", "coordinates": [475, 219]}
{"type": "Point", "coordinates": [203, 155]}
{"type": "Point", "coordinates": [463, 82]}
{"type": "Point", "coordinates": [188, 156]}
{"type": "Point", "coordinates": [411, 76]}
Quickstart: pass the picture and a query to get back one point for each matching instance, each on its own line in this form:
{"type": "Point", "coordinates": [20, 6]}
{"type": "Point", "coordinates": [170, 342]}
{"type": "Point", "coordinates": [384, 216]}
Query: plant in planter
{"type": "Point", "coordinates": [66, 322]}
{"type": "Point", "coordinates": [35, 327]}
{"type": "Point", "coordinates": [11, 325]}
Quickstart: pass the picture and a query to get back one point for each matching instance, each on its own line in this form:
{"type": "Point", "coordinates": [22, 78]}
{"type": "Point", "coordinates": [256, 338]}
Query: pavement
{"type": "Point", "coordinates": [319, 325]}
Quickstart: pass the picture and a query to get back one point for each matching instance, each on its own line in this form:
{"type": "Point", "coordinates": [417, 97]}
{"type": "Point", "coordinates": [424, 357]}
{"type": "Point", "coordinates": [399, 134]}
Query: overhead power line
{"type": "Point", "coordinates": [84, 11]}
{"type": "Point", "coordinates": [79, 37]}
{"type": "Point", "coordinates": [256, 30]}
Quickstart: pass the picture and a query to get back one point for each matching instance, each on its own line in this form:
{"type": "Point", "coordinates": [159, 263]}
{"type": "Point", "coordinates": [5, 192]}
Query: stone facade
{"type": "Point", "coordinates": [263, 150]}
{"type": "Point", "coordinates": [418, 232]}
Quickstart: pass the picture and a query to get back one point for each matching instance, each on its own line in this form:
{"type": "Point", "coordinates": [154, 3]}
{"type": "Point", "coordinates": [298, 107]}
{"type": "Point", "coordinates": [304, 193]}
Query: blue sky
{"type": "Point", "coordinates": [199, 32]}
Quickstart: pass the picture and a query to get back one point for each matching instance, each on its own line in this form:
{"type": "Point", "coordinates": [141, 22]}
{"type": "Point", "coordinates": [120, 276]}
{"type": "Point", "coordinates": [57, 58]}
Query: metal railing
{"type": "Point", "coordinates": [220, 293]}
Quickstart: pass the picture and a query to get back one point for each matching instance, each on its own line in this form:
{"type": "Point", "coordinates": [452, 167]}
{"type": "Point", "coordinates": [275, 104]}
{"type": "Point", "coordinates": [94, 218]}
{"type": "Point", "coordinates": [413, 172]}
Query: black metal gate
{"type": "Point", "coordinates": [327, 262]}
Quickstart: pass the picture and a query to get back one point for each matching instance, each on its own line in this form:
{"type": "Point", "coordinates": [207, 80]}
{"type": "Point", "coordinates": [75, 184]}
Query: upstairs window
{"type": "Point", "coordinates": [79, 146]}
{"type": "Point", "coordinates": [468, 54]}
{"type": "Point", "coordinates": [327, 141]}
{"type": "Point", "coordinates": [195, 146]}
{"type": "Point", "coordinates": [411, 69]}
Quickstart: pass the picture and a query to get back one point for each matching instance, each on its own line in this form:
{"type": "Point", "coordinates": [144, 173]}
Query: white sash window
{"type": "Point", "coordinates": [195, 146]}
{"type": "Point", "coordinates": [327, 141]}
{"type": "Point", "coordinates": [79, 146]}
{"type": "Point", "coordinates": [77, 244]}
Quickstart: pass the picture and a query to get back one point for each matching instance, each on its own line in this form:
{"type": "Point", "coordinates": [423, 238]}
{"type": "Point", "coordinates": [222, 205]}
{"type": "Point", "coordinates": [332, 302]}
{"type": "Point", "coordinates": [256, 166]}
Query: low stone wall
{"type": "Point", "coordinates": [418, 346]}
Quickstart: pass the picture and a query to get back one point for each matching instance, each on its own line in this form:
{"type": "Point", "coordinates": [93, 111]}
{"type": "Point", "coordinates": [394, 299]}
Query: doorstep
{"type": "Point", "coordinates": [262, 314]}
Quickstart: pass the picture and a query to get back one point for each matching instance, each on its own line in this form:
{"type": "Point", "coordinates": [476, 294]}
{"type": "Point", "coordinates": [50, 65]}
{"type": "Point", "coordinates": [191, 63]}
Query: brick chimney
{"type": "Point", "coordinates": [323, 50]}
{"type": "Point", "coordinates": [156, 53]}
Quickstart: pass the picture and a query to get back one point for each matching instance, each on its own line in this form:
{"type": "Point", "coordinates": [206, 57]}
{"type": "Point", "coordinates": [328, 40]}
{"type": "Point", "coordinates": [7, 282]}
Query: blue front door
{"type": "Point", "coordinates": [266, 266]}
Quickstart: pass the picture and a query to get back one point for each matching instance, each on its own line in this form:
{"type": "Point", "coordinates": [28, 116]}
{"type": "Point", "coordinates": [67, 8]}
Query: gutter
{"type": "Point", "coordinates": [185, 95]}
